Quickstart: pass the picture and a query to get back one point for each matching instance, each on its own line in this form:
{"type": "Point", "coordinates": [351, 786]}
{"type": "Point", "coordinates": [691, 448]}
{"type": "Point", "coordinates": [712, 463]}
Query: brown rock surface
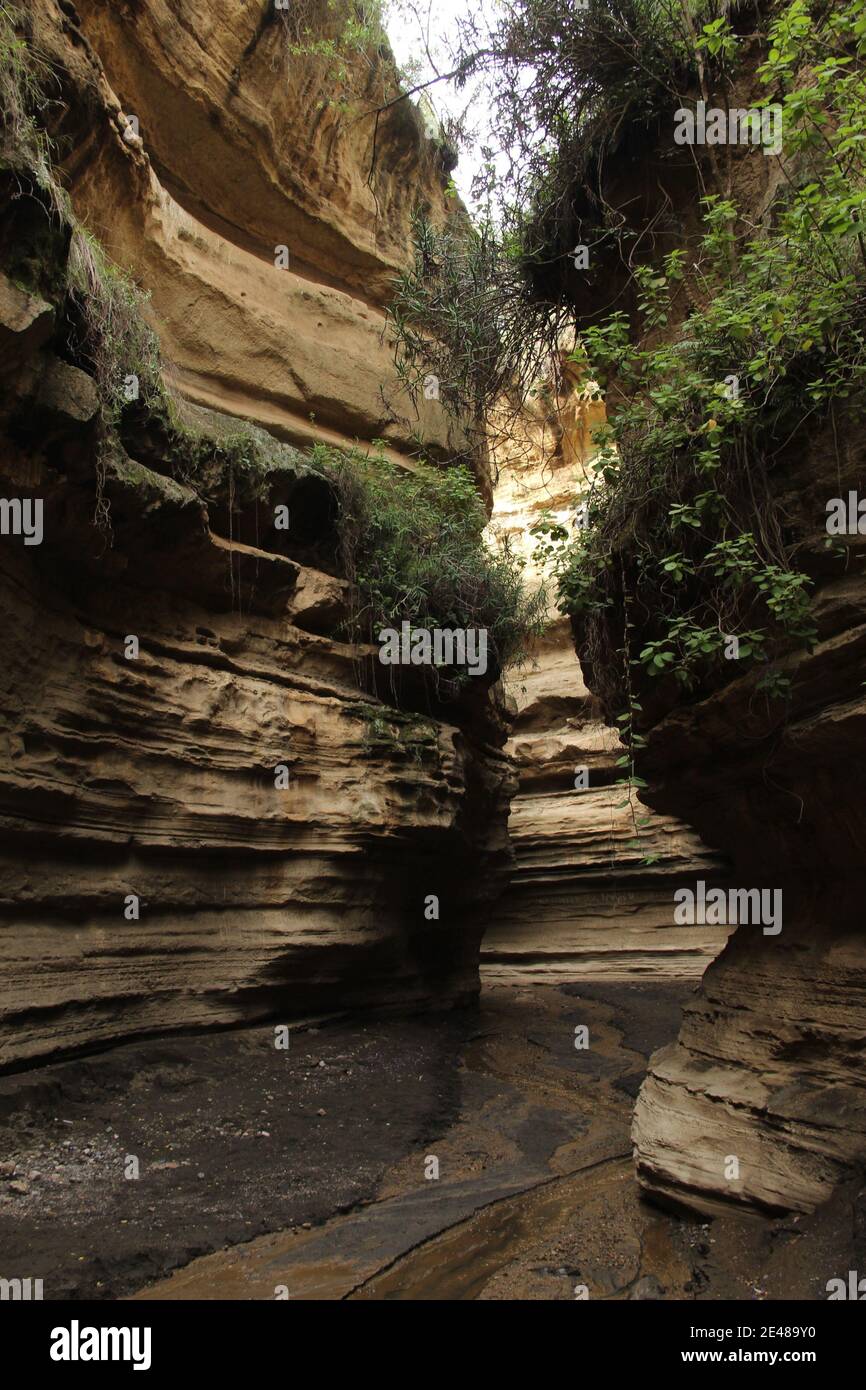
{"type": "Point", "coordinates": [153, 876]}
{"type": "Point", "coordinates": [244, 148]}
{"type": "Point", "coordinates": [769, 1063]}
{"type": "Point", "coordinates": [582, 903]}
{"type": "Point", "coordinates": [768, 1067]}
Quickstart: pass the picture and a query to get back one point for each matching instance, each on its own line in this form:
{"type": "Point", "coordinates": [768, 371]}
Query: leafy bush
{"type": "Point", "coordinates": [564, 85]}
{"type": "Point", "coordinates": [684, 526]}
{"type": "Point", "coordinates": [413, 546]}
{"type": "Point", "coordinates": [747, 338]}
{"type": "Point", "coordinates": [686, 540]}
{"type": "Point", "coordinates": [25, 79]}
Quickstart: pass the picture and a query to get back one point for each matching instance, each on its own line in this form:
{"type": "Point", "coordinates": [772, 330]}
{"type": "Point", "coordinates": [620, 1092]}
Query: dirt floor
{"type": "Point", "coordinates": [312, 1173]}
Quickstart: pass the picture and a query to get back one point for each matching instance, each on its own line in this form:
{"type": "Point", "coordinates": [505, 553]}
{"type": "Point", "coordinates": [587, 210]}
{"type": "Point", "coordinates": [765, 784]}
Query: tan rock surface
{"type": "Point", "coordinates": [582, 904]}
{"type": "Point", "coordinates": [152, 777]}
{"type": "Point", "coordinates": [270, 146]}
{"type": "Point", "coordinates": [241, 153]}
{"type": "Point", "coordinates": [155, 777]}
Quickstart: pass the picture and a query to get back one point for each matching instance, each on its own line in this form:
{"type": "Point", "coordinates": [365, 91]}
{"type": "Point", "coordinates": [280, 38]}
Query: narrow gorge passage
{"type": "Point", "coordinates": [432, 671]}
{"type": "Point", "coordinates": [327, 1147]}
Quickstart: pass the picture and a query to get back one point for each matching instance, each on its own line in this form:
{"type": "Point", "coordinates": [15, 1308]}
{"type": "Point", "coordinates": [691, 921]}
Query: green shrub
{"type": "Point", "coordinates": [413, 546]}
{"type": "Point", "coordinates": [684, 523]}
{"type": "Point", "coordinates": [117, 341]}
{"type": "Point", "coordinates": [25, 80]}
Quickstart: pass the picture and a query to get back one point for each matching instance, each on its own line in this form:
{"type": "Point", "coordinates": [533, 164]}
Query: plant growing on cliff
{"type": "Point", "coordinates": [565, 83]}
{"type": "Point", "coordinates": [110, 337]}
{"type": "Point", "coordinates": [398, 734]}
{"type": "Point", "coordinates": [348, 37]}
{"type": "Point", "coordinates": [115, 338]}
{"type": "Point", "coordinates": [684, 525]}
{"type": "Point", "coordinates": [413, 546]}
{"type": "Point", "coordinates": [25, 78]}
{"type": "Point", "coordinates": [685, 528]}
{"type": "Point", "coordinates": [460, 313]}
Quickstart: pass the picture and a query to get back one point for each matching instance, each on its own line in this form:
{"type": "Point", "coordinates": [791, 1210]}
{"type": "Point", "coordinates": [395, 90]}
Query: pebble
{"type": "Point", "coordinates": [647, 1287]}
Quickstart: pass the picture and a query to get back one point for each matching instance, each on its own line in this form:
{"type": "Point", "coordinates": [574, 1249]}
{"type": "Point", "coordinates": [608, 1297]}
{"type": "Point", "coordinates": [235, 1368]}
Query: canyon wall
{"type": "Point", "coordinates": [218, 821]}
{"type": "Point", "coordinates": [592, 892]}
{"type": "Point", "coordinates": [247, 147]}
{"type": "Point", "coordinates": [769, 1064]}
{"type": "Point", "coordinates": [760, 1101]}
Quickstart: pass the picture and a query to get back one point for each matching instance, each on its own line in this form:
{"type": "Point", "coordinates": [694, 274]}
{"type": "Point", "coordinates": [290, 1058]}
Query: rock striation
{"type": "Point", "coordinates": [760, 1101]}
{"type": "Point", "coordinates": [591, 895]}
{"type": "Point", "coordinates": [246, 150]}
{"type": "Point", "coordinates": [206, 816]}
{"type": "Point", "coordinates": [769, 1062]}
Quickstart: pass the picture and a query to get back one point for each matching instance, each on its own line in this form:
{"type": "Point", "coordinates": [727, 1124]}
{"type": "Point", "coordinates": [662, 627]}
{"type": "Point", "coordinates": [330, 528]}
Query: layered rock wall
{"type": "Point", "coordinates": [769, 1063]}
{"type": "Point", "coordinates": [246, 151]}
{"type": "Point", "coordinates": [760, 1101]}
{"type": "Point", "coordinates": [592, 891]}
{"type": "Point", "coordinates": [216, 821]}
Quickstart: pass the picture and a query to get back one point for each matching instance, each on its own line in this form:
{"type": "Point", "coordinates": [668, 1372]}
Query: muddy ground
{"type": "Point", "coordinates": [310, 1173]}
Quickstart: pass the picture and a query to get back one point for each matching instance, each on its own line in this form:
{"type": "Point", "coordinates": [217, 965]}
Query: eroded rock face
{"type": "Point", "coordinates": [244, 156]}
{"type": "Point", "coordinates": [215, 821]}
{"type": "Point", "coordinates": [155, 874]}
{"type": "Point", "coordinates": [270, 144]}
{"type": "Point", "coordinates": [760, 1101]}
{"type": "Point", "coordinates": [592, 892]}
{"type": "Point", "coordinates": [767, 1071]}
{"type": "Point", "coordinates": [768, 1066]}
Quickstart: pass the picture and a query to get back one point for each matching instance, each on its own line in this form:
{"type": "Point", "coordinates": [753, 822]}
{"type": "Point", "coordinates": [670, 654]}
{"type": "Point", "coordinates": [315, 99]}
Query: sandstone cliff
{"type": "Point", "coordinates": [592, 894]}
{"type": "Point", "coordinates": [242, 144]}
{"type": "Point", "coordinates": [219, 822]}
{"type": "Point", "coordinates": [768, 1067]}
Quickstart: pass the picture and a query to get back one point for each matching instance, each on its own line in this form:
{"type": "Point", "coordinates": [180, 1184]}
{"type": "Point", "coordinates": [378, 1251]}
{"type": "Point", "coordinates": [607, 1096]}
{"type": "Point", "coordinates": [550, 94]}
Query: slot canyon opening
{"type": "Point", "coordinates": [328, 973]}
